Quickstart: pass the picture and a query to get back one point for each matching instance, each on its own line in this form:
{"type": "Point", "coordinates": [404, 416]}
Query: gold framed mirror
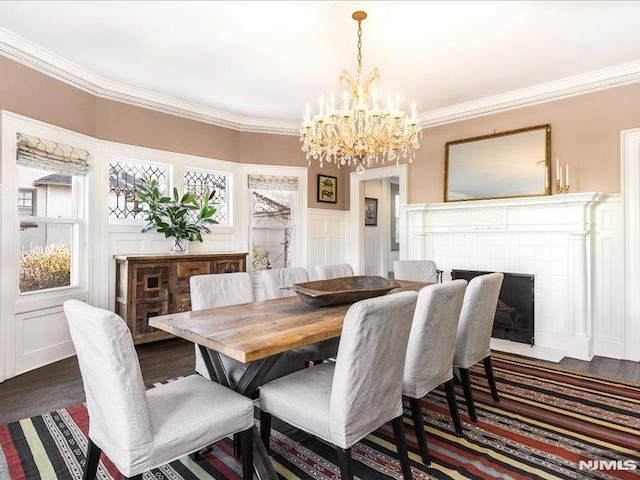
{"type": "Point", "coordinates": [515, 163]}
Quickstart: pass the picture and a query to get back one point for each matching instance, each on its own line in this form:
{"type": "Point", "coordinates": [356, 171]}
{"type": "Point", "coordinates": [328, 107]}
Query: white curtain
{"type": "Point", "coordinates": [44, 154]}
{"type": "Point", "coordinates": [273, 182]}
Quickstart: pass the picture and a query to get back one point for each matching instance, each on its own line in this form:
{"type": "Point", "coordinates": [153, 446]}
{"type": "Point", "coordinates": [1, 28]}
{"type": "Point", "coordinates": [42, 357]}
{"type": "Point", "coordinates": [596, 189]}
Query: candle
{"type": "Point", "coordinates": [558, 177]}
{"type": "Point", "coordinates": [321, 105]}
{"type": "Point", "coordinates": [567, 176]}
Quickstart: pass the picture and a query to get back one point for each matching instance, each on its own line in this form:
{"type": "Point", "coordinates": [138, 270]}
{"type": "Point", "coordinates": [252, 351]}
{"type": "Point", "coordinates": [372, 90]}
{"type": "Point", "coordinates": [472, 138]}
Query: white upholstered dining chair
{"type": "Point", "coordinates": [326, 272]}
{"type": "Point", "coordinates": [224, 289]}
{"type": "Point", "coordinates": [342, 402]}
{"type": "Point", "coordinates": [474, 333]}
{"type": "Point", "coordinates": [275, 282]}
{"type": "Point", "coordinates": [415, 270]}
{"type": "Point", "coordinates": [140, 430]}
{"type": "Point", "coordinates": [429, 360]}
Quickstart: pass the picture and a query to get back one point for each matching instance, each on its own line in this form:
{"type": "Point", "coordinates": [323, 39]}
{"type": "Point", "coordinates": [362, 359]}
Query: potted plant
{"type": "Point", "coordinates": [182, 219]}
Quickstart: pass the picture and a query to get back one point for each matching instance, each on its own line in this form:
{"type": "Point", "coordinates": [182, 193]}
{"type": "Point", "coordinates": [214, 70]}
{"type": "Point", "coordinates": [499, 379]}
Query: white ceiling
{"type": "Point", "coordinates": [266, 60]}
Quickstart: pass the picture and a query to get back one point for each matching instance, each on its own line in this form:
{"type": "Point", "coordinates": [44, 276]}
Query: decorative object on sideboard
{"type": "Point", "coordinates": [181, 218]}
{"type": "Point", "coordinates": [514, 163]}
{"type": "Point", "coordinates": [327, 189]}
{"type": "Point", "coordinates": [562, 187]}
{"type": "Point", "coordinates": [371, 212]}
{"type": "Point", "coordinates": [358, 131]}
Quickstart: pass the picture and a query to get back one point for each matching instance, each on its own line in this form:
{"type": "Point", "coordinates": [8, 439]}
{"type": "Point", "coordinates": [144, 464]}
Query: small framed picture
{"type": "Point", "coordinates": [327, 189]}
{"type": "Point", "coordinates": [371, 211]}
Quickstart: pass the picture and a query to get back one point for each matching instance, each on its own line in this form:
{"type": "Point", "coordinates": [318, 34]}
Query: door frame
{"type": "Point", "coordinates": [354, 253]}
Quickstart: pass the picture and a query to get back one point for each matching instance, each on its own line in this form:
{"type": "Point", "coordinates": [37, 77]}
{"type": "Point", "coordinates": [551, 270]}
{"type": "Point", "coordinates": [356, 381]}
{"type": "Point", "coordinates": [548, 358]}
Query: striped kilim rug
{"type": "Point", "coordinates": [547, 422]}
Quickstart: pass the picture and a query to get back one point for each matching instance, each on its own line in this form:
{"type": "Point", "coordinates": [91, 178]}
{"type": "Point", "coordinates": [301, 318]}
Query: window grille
{"type": "Point", "coordinates": [202, 183]}
{"type": "Point", "coordinates": [124, 179]}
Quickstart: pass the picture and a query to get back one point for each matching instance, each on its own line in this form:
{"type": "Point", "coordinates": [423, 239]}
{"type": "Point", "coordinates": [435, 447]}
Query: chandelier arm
{"type": "Point", "coordinates": [359, 132]}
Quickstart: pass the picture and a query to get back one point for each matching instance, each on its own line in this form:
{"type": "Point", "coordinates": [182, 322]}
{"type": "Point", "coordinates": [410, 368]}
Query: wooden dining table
{"type": "Point", "coordinates": [257, 333]}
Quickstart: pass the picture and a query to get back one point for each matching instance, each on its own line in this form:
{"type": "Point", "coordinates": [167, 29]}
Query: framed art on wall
{"type": "Point", "coordinates": [371, 211]}
{"type": "Point", "coordinates": [327, 189]}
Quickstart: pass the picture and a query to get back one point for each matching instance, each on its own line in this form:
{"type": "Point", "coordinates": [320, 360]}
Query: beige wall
{"type": "Point", "coordinates": [35, 95]}
{"type": "Point", "coordinates": [585, 132]}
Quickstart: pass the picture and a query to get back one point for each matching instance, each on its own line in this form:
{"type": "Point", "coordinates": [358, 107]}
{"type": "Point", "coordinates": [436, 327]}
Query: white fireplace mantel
{"type": "Point", "coordinates": [547, 236]}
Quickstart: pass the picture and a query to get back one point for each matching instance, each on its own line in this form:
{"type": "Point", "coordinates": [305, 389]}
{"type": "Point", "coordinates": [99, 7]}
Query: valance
{"type": "Point", "coordinates": [44, 154]}
{"type": "Point", "coordinates": [273, 182]}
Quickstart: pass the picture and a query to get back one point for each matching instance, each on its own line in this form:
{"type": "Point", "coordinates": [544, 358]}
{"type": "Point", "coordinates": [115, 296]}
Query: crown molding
{"type": "Point", "coordinates": [606, 78]}
{"type": "Point", "coordinates": [34, 56]}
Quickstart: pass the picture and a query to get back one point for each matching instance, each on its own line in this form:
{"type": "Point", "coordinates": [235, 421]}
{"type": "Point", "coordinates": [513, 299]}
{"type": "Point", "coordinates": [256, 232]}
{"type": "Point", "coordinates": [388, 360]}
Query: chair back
{"type": "Point", "coordinates": [367, 383]}
{"type": "Point", "coordinates": [326, 272]}
{"type": "Point", "coordinates": [113, 385]}
{"type": "Point", "coordinates": [476, 319]}
{"type": "Point", "coordinates": [276, 278]}
{"type": "Point", "coordinates": [415, 270]}
{"type": "Point", "coordinates": [220, 290]}
{"type": "Point", "coordinates": [432, 339]}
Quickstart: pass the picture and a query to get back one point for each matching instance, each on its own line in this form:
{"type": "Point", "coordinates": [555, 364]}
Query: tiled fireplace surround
{"type": "Point", "coordinates": [550, 237]}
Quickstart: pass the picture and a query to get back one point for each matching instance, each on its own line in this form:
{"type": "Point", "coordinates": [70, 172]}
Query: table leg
{"type": "Point", "coordinates": [261, 461]}
{"type": "Point", "coordinates": [254, 376]}
{"type": "Point", "coordinates": [214, 366]}
{"type": "Point", "coordinates": [248, 385]}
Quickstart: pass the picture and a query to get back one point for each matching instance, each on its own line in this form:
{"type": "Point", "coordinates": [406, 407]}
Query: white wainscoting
{"type": "Point", "coordinates": [327, 242]}
{"type": "Point", "coordinates": [571, 243]}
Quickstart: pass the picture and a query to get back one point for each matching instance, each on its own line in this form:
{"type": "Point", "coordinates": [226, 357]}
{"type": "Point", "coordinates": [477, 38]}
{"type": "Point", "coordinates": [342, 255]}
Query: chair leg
{"type": "Point", "coordinates": [418, 426]}
{"type": "Point", "coordinates": [488, 369]}
{"type": "Point", "coordinates": [401, 445]}
{"type": "Point", "coordinates": [246, 439]}
{"type": "Point", "coordinates": [345, 462]}
{"type": "Point", "coordinates": [237, 446]}
{"type": "Point", "coordinates": [265, 430]}
{"type": "Point", "coordinates": [468, 396]}
{"type": "Point", "coordinates": [453, 406]}
{"type": "Point", "coordinates": [91, 465]}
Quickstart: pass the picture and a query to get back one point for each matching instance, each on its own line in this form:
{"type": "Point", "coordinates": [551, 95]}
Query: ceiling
{"type": "Point", "coordinates": [266, 60]}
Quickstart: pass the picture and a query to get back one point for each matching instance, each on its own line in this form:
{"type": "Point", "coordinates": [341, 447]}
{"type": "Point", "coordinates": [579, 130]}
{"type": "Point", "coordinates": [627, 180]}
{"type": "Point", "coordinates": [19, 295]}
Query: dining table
{"type": "Point", "coordinates": [257, 334]}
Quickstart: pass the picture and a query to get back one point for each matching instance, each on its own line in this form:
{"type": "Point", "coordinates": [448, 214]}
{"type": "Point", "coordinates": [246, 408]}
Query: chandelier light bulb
{"type": "Point", "coordinates": [360, 134]}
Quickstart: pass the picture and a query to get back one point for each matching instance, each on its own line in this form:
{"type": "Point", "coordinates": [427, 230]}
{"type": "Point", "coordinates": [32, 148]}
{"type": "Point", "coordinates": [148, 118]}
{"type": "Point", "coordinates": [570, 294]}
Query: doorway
{"type": "Point", "coordinates": [372, 250]}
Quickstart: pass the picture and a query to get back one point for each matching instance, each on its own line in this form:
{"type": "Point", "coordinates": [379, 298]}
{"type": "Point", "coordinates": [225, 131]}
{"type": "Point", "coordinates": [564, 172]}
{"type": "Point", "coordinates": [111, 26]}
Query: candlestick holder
{"type": "Point", "coordinates": [561, 189]}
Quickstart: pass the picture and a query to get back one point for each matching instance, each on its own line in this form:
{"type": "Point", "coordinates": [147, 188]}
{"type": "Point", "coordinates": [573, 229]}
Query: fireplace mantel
{"type": "Point", "coordinates": [570, 212]}
{"type": "Point", "coordinates": [546, 236]}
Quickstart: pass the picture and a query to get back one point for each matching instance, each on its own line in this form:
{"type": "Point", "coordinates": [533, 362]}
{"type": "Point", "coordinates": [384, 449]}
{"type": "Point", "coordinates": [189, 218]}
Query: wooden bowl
{"type": "Point", "coordinates": [322, 293]}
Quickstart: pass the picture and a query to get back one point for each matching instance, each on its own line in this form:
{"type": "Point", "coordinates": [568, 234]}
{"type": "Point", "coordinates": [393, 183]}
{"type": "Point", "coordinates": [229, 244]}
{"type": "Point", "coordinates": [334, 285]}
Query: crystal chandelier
{"type": "Point", "coordinates": [360, 132]}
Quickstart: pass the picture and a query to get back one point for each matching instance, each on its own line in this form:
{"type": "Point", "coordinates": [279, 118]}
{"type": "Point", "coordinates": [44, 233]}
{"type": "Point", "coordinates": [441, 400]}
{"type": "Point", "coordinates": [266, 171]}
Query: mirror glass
{"type": "Point", "coordinates": [507, 164]}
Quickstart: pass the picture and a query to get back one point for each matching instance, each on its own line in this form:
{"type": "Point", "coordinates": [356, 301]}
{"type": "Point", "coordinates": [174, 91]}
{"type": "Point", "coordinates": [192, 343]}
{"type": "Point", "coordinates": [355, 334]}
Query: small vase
{"type": "Point", "coordinates": [180, 245]}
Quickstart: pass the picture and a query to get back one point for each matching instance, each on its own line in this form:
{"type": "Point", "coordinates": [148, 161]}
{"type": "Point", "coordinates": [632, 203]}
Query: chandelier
{"type": "Point", "coordinates": [360, 132]}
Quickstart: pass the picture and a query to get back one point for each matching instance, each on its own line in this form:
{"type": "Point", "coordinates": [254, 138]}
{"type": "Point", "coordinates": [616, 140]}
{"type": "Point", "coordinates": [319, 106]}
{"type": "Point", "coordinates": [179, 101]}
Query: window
{"type": "Point", "coordinates": [202, 182]}
{"type": "Point", "coordinates": [48, 230]}
{"type": "Point", "coordinates": [272, 224]}
{"type": "Point", "coordinates": [27, 201]}
{"type": "Point", "coordinates": [124, 177]}
{"type": "Point", "coordinates": [51, 229]}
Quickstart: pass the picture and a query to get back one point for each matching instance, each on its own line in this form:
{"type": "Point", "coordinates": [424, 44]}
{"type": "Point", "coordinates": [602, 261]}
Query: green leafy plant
{"type": "Point", "coordinates": [178, 217]}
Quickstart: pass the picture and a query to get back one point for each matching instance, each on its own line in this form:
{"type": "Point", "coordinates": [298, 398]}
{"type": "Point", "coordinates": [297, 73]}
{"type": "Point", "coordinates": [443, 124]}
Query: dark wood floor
{"type": "Point", "coordinates": [59, 384]}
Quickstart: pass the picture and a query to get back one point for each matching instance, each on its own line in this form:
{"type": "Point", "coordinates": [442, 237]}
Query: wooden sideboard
{"type": "Point", "coordinates": [150, 285]}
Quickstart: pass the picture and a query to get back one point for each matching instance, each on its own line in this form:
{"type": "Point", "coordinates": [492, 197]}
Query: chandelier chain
{"type": "Point", "coordinates": [359, 50]}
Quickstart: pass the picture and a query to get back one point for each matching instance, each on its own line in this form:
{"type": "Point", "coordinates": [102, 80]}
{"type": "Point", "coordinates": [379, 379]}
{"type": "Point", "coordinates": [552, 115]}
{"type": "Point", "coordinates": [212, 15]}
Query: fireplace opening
{"type": "Point", "coordinates": [514, 318]}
